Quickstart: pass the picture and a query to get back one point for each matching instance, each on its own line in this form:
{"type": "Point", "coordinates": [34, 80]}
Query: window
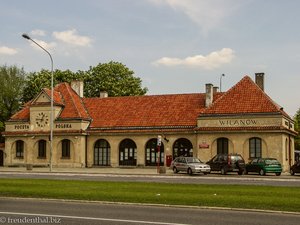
{"type": "Point", "coordinates": [65, 145]}
{"type": "Point", "coordinates": [127, 153]}
{"type": "Point", "coordinates": [102, 153]}
{"type": "Point", "coordinates": [20, 149]}
{"type": "Point", "coordinates": [182, 147]}
{"type": "Point", "coordinates": [42, 149]}
{"type": "Point", "coordinates": [255, 148]}
{"type": "Point", "coordinates": [222, 146]}
{"type": "Point", "coordinates": [152, 153]}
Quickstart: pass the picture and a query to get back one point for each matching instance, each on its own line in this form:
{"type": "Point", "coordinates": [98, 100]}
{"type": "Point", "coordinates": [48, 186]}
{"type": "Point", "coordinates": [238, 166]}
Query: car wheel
{"type": "Point", "coordinates": [277, 174]}
{"type": "Point", "coordinates": [190, 171]}
{"type": "Point", "coordinates": [262, 172]}
{"type": "Point", "coordinates": [292, 172]}
{"type": "Point", "coordinates": [241, 172]}
{"type": "Point", "coordinates": [175, 170]}
{"type": "Point", "coordinates": [223, 171]}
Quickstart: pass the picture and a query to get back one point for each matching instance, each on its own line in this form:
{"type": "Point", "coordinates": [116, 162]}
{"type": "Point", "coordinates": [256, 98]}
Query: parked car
{"type": "Point", "coordinates": [263, 166]}
{"type": "Point", "coordinates": [227, 163]}
{"type": "Point", "coordinates": [295, 168]}
{"type": "Point", "coordinates": [190, 165]}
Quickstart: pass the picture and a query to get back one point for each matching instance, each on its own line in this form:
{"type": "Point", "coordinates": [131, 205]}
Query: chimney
{"type": "Point", "coordinates": [215, 89]}
{"type": "Point", "coordinates": [208, 95]}
{"type": "Point", "coordinates": [103, 94]}
{"type": "Point", "coordinates": [259, 80]}
{"type": "Point", "coordinates": [77, 86]}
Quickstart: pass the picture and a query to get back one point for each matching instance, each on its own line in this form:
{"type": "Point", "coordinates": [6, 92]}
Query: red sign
{"type": "Point", "coordinates": [203, 145]}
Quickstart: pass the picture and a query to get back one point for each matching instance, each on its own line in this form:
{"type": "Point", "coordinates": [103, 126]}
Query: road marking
{"type": "Point", "coordinates": [91, 218]}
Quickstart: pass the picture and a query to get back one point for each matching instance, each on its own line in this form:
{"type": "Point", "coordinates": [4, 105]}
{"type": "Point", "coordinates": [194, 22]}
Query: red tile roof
{"type": "Point", "coordinates": [23, 114]}
{"type": "Point", "coordinates": [145, 111]}
{"type": "Point", "coordinates": [174, 111]}
{"type": "Point", "coordinates": [74, 107]}
{"type": "Point", "coordinates": [63, 95]}
{"type": "Point", "coordinates": [244, 97]}
{"type": "Point", "coordinates": [57, 97]}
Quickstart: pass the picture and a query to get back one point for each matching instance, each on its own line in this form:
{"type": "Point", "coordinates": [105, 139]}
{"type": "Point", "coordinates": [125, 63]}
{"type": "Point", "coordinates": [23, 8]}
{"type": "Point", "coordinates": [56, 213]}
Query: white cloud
{"type": "Point", "coordinates": [7, 51]}
{"type": "Point", "coordinates": [207, 14]}
{"type": "Point", "coordinates": [209, 62]}
{"type": "Point", "coordinates": [38, 32]}
{"type": "Point", "coordinates": [70, 37]}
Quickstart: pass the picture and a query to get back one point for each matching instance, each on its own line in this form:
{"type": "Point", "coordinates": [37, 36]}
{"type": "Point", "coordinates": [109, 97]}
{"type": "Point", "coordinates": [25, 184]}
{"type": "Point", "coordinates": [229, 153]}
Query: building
{"type": "Point", "coordinates": [123, 131]}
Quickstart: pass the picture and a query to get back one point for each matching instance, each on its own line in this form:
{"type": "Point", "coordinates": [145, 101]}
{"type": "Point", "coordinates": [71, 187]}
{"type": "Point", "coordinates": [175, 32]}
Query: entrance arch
{"type": "Point", "coordinates": [1, 158]}
{"type": "Point", "coordinates": [101, 153]}
{"type": "Point", "coordinates": [182, 147]}
{"type": "Point", "coordinates": [127, 153]}
{"type": "Point", "coordinates": [222, 145]}
{"type": "Point", "coordinates": [151, 153]}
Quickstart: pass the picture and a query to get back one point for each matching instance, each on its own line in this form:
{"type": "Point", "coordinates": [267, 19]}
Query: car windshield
{"type": "Point", "coordinates": [236, 158]}
{"type": "Point", "coordinates": [271, 161]}
{"type": "Point", "coordinates": [193, 160]}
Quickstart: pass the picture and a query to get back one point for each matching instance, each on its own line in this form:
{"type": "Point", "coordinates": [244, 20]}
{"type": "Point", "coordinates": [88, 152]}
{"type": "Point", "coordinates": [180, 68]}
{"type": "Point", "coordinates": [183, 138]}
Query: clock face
{"type": "Point", "coordinates": [41, 119]}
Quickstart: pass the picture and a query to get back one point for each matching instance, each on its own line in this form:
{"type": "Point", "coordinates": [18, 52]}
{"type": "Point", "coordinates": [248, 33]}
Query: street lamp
{"type": "Point", "coordinates": [223, 75]}
{"type": "Point", "coordinates": [51, 113]}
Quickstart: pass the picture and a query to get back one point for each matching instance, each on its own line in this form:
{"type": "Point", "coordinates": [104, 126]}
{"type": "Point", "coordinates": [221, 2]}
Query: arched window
{"type": "Point", "coordinates": [42, 149]}
{"type": "Point", "coordinates": [152, 153]}
{"type": "Point", "coordinates": [182, 147]}
{"type": "Point", "coordinates": [255, 150]}
{"type": "Point", "coordinates": [20, 149]}
{"type": "Point", "coordinates": [222, 146]}
{"type": "Point", "coordinates": [127, 153]}
{"type": "Point", "coordinates": [66, 148]}
{"type": "Point", "coordinates": [102, 153]}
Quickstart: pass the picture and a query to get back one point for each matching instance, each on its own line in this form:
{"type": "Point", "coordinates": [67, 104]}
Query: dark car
{"type": "Point", "coordinates": [263, 166]}
{"type": "Point", "coordinates": [295, 168]}
{"type": "Point", "coordinates": [227, 163]}
{"type": "Point", "coordinates": [190, 165]}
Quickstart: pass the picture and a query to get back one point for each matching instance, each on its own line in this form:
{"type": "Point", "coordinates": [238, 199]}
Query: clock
{"type": "Point", "coordinates": [41, 119]}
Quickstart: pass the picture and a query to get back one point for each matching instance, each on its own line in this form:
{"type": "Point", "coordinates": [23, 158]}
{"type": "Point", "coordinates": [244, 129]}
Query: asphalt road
{"type": "Point", "coordinates": [32, 211]}
{"type": "Point", "coordinates": [289, 181]}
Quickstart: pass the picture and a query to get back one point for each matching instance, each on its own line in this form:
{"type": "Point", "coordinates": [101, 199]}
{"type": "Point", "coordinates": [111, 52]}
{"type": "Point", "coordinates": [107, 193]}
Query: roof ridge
{"type": "Point", "coordinates": [226, 93]}
{"type": "Point", "coordinates": [142, 96]}
{"type": "Point", "coordinates": [69, 89]}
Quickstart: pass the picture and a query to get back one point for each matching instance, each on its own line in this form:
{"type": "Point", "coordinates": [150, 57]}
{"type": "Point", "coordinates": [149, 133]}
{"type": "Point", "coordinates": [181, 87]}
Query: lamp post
{"type": "Point", "coordinates": [51, 113]}
{"type": "Point", "coordinates": [223, 75]}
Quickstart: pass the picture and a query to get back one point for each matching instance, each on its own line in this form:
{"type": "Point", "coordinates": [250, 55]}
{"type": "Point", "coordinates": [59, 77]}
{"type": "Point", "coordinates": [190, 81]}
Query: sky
{"type": "Point", "coordinates": [174, 46]}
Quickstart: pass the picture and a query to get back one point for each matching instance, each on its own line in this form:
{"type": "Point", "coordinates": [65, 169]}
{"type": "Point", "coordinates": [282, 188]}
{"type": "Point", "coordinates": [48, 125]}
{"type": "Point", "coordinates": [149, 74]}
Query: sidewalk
{"type": "Point", "coordinates": [115, 171]}
{"type": "Point", "coordinates": [94, 170]}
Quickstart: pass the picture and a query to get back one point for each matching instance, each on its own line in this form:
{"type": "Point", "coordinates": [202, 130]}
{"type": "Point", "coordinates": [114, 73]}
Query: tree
{"type": "Point", "coordinates": [297, 128]}
{"type": "Point", "coordinates": [114, 77]}
{"type": "Point", "coordinates": [12, 83]}
{"type": "Point", "coordinates": [35, 81]}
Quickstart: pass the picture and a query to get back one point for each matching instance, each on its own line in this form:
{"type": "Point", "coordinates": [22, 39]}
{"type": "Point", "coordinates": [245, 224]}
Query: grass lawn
{"type": "Point", "coordinates": [235, 196]}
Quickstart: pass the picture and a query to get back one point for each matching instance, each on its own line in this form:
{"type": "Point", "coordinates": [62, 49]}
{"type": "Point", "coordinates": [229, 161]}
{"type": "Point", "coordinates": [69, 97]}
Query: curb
{"type": "Point", "coordinates": [156, 205]}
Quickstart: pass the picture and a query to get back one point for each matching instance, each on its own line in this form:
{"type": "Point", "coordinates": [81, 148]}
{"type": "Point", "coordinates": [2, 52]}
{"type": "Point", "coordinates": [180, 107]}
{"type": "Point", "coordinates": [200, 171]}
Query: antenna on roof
{"type": "Point", "coordinates": [223, 75]}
